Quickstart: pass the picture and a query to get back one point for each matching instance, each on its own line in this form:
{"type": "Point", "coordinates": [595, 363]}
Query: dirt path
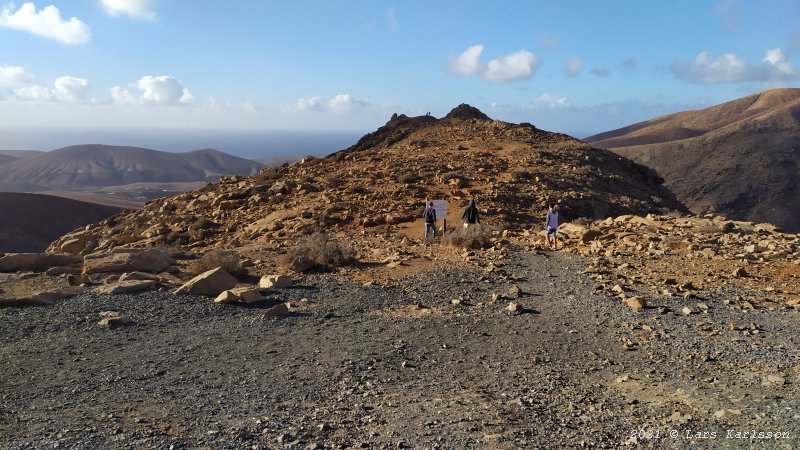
{"type": "Point", "coordinates": [359, 366]}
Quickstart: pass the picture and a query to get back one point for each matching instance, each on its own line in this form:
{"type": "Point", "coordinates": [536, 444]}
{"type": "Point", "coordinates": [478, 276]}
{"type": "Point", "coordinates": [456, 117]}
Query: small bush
{"type": "Point", "coordinates": [408, 177]}
{"type": "Point", "coordinates": [227, 259]}
{"type": "Point", "coordinates": [318, 250]}
{"type": "Point", "coordinates": [521, 175]}
{"type": "Point", "coordinates": [474, 237]}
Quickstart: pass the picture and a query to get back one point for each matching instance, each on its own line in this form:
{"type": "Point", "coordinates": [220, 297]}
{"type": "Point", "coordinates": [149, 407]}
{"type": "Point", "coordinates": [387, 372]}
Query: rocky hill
{"type": "Point", "coordinates": [105, 165]}
{"type": "Point", "coordinates": [31, 221]}
{"type": "Point", "coordinates": [379, 185]}
{"type": "Point", "coordinates": [740, 158]}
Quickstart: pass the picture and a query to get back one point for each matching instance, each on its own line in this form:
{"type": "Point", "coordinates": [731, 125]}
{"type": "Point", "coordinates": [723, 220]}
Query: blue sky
{"type": "Point", "coordinates": [571, 66]}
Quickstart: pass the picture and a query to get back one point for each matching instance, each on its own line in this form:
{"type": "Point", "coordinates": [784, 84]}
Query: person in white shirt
{"type": "Point", "coordinates": [551, 227]}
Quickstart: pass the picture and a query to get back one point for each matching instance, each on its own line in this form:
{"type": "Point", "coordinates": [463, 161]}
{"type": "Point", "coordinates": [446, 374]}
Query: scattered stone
{"type": "Point", "coordinates": [687, 311]}
{"type": "Point", "coordinates": [125, 287]}
{"type": "Point", "coordinates": [211, 282]}
{"type": "Point", "coordinates": [515, 308]}
{"type": "Point", "coordinates": [126, 260]}
{"type": "Point", "coordinates": [636, 302]}
{"type": "Point", "coordinates": [275, 282]}
{"type": "Point", "coordinates": [240, 295]}
{"type": "Point", "coordinates": [20, 262]}
{"type": "Point", "coordinates": [113, 319]}
{"type": "Point", "coordinates": [284, 309]}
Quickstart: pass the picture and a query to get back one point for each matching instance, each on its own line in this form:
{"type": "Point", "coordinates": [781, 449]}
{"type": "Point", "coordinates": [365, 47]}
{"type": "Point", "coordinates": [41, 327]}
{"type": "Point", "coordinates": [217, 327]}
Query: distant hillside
{"type": "Point", "coordinates": [382, 181]}
{"type": "Point", "coordinates": [21, 154]}
{"type": "Point", "coordinates": [31, 221]}
{"type": "Point", "coordinates": [740, 158]}
{"type": "Point", "coordinates": [104, 165]}
{"type": "Point", "coordinates": [5, 159]}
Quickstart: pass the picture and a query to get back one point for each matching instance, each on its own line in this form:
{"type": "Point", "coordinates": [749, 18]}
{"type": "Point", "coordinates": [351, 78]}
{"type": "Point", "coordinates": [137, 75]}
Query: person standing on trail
{"type": "Point", "coordinates": [430, 220]}
{"type": "Point", "coordinates": [470, 216]}
{"type": "Point", "coordinates": [551, 227]}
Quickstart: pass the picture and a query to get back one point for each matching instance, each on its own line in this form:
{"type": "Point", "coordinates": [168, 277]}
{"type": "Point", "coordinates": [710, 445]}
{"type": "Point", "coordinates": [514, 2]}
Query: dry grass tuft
{"type": "Point", "coordinates": [227, 259]}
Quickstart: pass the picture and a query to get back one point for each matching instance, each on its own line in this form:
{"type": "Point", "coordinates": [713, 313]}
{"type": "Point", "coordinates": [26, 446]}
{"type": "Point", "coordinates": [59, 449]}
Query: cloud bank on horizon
{"type": "Point", "coordinates": [329, 67]}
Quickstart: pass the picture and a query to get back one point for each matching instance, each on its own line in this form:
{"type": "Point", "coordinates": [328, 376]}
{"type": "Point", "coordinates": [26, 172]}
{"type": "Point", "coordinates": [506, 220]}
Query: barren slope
{"type": "Point", "coordinates": [381, 182]}
{"type": "Point", "coordinates": [740, 158]}
{"type": "Point", "coordinates": [31, 221]}
{"type": "Point", "coordinates": [104, 165]}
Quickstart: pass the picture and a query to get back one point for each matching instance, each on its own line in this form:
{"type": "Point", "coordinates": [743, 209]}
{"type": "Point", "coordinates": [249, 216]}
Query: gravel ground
{"type": "Point", "coordinates": [360, 366]}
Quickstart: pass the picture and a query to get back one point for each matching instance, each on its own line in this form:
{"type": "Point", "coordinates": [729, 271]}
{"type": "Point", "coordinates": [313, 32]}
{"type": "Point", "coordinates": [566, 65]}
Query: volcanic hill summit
{"type": "Point", "coordinates": [379, 185]}
{"type": "Point", "coordinates": [740, 158]}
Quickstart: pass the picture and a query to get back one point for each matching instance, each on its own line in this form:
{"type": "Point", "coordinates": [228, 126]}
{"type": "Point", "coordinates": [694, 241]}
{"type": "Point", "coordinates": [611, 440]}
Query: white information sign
{"type": "Point", "coordinates": [441, 209]}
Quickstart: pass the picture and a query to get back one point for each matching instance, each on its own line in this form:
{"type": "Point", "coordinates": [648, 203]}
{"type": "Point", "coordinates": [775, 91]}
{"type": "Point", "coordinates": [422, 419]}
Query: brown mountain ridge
{"type": "Point", "coordinates": [379, 185]}
{"type": "Point", "coordinates": [740, 158]}
{"type": "Point", "coordinates": [97, 165]}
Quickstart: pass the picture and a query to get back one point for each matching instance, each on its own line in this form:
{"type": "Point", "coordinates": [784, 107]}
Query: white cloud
{"type": "Point", "coordinates": [66, 89]}
{"type": "Point", "coordinates": [309, 104]}
{"type": "Point", "coordinates": [519, 65]}
{"type": "Point", "coordinates": [252, 107]}
{"type": "Point", "coordinates": [154, 91]}
{"type": "Point", "coordinates": [550, 101]}
{"type": "Point", "coordinates": [47, 23]}
{"type": "Point", "coordinates": [775, 58]}
{"type": "Point", "coordinates": [390, 16]}
{"type": "Point", "coordinates": [344, 103]}
{"type": "Point", "coordinates": [730, 68]}
{"type": "Point", "coordinates": [467, 62]}
{"type": "Point", "coordinates": [135, 9]}
{"type": "Point", "coordinates": [14, 76]}
{"type": "Point", "coordinates": [573, 68]}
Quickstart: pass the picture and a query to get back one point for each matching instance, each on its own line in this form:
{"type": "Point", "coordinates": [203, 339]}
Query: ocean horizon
{"type": "Point", "coordinates": [242, 143]}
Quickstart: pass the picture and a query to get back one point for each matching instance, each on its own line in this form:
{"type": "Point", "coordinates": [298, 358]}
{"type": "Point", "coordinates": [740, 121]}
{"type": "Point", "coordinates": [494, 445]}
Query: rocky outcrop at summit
{"type": "Point", "coordinates": [466, 112]}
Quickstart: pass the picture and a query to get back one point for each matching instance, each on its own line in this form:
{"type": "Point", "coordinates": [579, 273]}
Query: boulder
{"type": "Point", "coordinates": [275, 282]}
{"type": "Point", "coordinates": [590, 235]}
{"type": "Point", "coordinates": [240, 295]}
{"type": "Point", "coordinates": [514, 308]}
{"type": "Point", "coordinates": [636, 302]}
{"type": "Point", "coordinates": [227, 297]}
{"type": "Point", "coordinates": [16, 262]}
{"type": "Point", "coordinates": [211, 282]}
{"type": "Point", "coordinates": [43, 298]}
{"type": "Point", "coordinates": [125, 287]}
{"type": "Point", "coordinates": [301, 264]}
{"type": "Point", "coordinates": [279, 310]}
{"type": "Point", "coordinates": [138, 276]}
{"type": "Point", "coordinates": [142, 260]}
{"type": "Point", "coordinates": [74, 246]}
{"type": "Point", "coordinates": [113, 319]}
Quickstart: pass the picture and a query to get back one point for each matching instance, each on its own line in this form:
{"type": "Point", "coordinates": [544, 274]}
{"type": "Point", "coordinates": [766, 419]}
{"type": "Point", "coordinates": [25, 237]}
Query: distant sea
{"type": "Point", "coordinates": [242, 143]}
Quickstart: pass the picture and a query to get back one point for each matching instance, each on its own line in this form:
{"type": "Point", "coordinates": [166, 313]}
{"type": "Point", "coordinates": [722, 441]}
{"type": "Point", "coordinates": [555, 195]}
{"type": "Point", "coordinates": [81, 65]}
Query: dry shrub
{"type": "Point", "coordinates": [319, 250]}
{"type": "Point", "coordinates": [475, 237]}
{"type": "Point", "coordinates": [408, 178]}
{"type": "Point", "coordinates": [520, 175]}
{"type": "Point", "coordinates": [227, 259]}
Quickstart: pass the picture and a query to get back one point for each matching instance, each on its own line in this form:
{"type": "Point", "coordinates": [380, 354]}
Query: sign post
{"type": "Point", "coordinates": [440, 206]}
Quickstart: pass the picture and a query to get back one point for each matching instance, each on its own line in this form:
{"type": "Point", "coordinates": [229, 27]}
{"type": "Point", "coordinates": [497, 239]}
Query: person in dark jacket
{"type": "Point", "coordinates": [470, 216]}
{"type": "Point", "coordinates": [430, 220]}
